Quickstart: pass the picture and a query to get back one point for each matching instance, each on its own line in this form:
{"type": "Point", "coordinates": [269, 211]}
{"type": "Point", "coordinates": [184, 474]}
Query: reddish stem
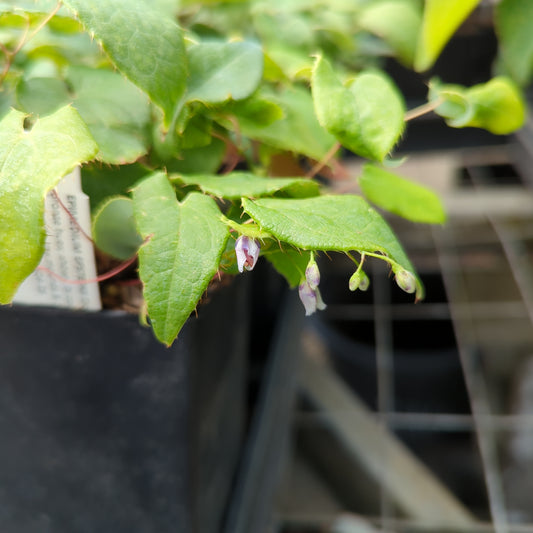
{"type": "Point", "coordinates": [102, 277]}
{"type": "Point", "coordinates": [71, 216]}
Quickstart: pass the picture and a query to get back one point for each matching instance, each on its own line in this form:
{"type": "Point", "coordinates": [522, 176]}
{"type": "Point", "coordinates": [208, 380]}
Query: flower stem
{"type": "Point", "coordinates": [423, 109]}
{"type": "Point", "coordinates": [324, 161]}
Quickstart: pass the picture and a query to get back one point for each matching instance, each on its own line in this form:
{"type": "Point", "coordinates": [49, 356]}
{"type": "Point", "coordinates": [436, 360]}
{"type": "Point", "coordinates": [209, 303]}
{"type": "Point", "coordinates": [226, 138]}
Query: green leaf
{"type": "Point", "coordinates": [223, 71]}
{"type": "Point", "coordinates": [441, 19]}
{"type": "Point", "coordinates": [205, 159]}
{"type": "Point", "coordinates": [298, 131]}
{"type": "Point", "coordinates": [290, 263]}
{"type": "Point", "coordinates": [184, 244]}
{"type": "Point", "coordinates": [116, 112]}
{"type": "Point", "coordinates": [397, 22]}
{"type": "Point", "coordinates": [329, 223]}
{"type": "Point", "coordinates": [401, 196]}
{"type": "Point", "coordinates": [31, 164]}
{"type": "Point", "coordinates": [285, 61]}
{"type": "Point", "coordinates": [496, 106]}
{"type": "Point", "coordinates": [114, 230]}
{"type": "Point", "coordinates": [144, 44]}
{"type": "Point", "coordinates": [100, 182]}
{"type": "Point", "coordinates": [367, 117]}
{"type": "Point", "coordinates": [236, 184]}
{"type": "Point", "coordinates": [513, 22]}
{"type": "Point", "coordinates": [41, 96]}
{"type": "Point", "coordinates": [255, 109]}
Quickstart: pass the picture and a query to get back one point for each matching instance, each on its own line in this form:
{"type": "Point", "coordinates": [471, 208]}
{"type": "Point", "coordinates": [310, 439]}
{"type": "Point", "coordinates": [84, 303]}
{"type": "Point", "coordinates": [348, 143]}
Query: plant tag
{"type": "Point", "coordinates": [69, 254]}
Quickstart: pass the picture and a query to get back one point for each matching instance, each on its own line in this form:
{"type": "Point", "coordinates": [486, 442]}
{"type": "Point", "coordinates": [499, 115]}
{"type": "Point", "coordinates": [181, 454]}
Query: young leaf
{"type": "Point", "coordinates": [441, 19]}
{"type": "Point", "coordinates": [31, 164]}
{"type": "Point", "coordinates": [397, 22]}
{"type": "Point", "coordinates": [401, 196]}
{"type": "Point", "coordinates": [329, 223]}
{"type": "Point", "coordinates": [114, 230]}
{"type": "Point", "coordinates": [496, 106]}
{"type": "Point", "coordinates": [184, 244]}
{"type": "Point", "coordinates": [144, 44]}
{"type": "Point", "coordinates": [513, 21]}
{"type": "Point", "coordinates": [223, 71]}
{"type": "Point", "coordinates": [237, 184]}
{"type": "Point", "coordinates": [367, 117]}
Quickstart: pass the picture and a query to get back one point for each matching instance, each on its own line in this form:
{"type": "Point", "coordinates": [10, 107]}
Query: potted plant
{"type": "Point", "coordinates": [183, 113]}
{"type": "Point", "coordinates": [204, 95]}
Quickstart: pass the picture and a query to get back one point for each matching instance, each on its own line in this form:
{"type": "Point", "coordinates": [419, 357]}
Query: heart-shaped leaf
{"type": "Point", "coordinates": [184, 244]}
{"type": "Point", "coordinates": [367, 117]}
{"type": "Point", "coordinates": [145, 44]}
{"type": "Point", "coordinates": [31, 164]}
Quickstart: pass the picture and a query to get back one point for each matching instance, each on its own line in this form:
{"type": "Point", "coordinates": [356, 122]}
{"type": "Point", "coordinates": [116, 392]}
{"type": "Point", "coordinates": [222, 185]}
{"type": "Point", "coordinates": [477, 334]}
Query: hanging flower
{"type": "Point", "coordinates": [308, 289]}
{"type": "Point", "coordinates": [247, 252]}
{"type": "Point", "coordinates": [359, 280]}
{"type": "Point", "coordinates": [405, 280]}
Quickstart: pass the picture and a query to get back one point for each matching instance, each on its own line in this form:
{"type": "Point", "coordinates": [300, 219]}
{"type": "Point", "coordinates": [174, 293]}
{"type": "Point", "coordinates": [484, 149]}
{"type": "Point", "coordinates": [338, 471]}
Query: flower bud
{"type": "Point", "coordinates": [406, 281]}
{"type": "Point", "coordinates": [247, 252]}
{"type": "Point", "coordinates": [359, 280]}
{"type": "Point", "coordinates": [312, 274]}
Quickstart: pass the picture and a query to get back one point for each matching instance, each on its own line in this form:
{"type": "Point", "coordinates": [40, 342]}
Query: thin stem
{"type": "Point", "coordinates": [71, 216]}
{"type": "Point", "coordinates": [26, 37]}
{"type": "Point", "coordinates": [324, 161]}
{"type": "Point", "coordinates": [102, 277]}
{"type": "Point", "coordinates": [423, 109]}
{"type": "Point", "coordinates": [41, 24]}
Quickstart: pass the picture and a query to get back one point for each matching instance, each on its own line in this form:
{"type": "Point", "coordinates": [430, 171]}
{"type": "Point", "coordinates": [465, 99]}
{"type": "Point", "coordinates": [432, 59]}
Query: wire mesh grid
{"type": "Point", "coordinates": [420, 417]}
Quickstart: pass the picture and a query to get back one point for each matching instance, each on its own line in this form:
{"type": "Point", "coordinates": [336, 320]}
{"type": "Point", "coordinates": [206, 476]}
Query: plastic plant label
{"type": "Point", "coordinates": [69, 254]}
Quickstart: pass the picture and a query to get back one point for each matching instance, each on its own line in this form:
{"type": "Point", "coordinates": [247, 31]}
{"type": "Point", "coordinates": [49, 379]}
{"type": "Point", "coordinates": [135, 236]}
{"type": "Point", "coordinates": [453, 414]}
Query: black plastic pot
{"type": "Point", "coordinates": [105, 430]}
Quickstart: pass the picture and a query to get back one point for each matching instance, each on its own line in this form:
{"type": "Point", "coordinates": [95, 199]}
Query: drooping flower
{"type": "Point", "coordinates": [308, 289]}
{"type": "Point", "coordinates": [311, 298]}
{"type": "Point", "coordinates": [247, 251]}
